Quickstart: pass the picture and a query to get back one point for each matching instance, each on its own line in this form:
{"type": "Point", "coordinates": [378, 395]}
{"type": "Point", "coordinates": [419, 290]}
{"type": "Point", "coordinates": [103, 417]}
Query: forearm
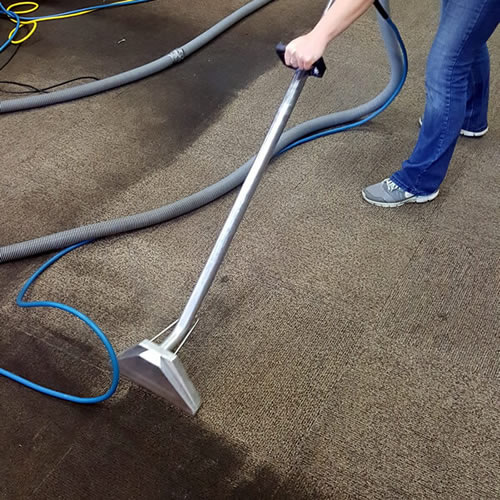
{"type": "Point", "coordinates": [304, 51]}
{"type": "Point", "coordinates": [339, 17]}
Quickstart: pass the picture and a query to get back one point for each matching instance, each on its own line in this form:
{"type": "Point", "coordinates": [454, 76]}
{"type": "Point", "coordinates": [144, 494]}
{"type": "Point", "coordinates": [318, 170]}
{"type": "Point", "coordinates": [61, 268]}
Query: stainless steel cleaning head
{"type": "Point", "coordinates": [160, 370]}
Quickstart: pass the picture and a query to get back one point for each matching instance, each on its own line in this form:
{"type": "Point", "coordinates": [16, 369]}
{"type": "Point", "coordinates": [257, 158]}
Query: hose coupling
{"type": "Point", "coordinates": [177, 55]}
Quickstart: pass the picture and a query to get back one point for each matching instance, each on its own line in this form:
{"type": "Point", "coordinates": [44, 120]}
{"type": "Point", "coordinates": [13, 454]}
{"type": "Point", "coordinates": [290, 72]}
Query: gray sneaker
{"type": "Point", "coordinates": [465, 133]}
{"type": "Point", "coordinates": [388, 194]}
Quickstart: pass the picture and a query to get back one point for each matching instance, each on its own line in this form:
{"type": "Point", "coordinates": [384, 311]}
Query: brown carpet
{"type": "Point", "coordinates": [343, 352]}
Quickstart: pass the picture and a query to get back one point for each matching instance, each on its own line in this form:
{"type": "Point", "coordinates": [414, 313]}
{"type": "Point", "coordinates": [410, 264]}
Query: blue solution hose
{"type": "Point", "coordinates": [367, 118]}
{"type": "Point", "coordinates": [112, 355]}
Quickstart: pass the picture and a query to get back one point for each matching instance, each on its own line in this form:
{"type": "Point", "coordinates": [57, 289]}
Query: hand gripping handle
{"type": "Point", "coordinates": [318, 69]}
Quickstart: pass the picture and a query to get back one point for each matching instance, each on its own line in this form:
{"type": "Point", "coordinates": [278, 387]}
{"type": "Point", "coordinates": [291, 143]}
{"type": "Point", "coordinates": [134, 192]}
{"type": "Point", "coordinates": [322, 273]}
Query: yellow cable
{"type": "Point", "coordinates": [31, 31]}
{"type": "Point", "coordinates": [34, 23]}
{"type": "Point", "coordinates": [34, 5]}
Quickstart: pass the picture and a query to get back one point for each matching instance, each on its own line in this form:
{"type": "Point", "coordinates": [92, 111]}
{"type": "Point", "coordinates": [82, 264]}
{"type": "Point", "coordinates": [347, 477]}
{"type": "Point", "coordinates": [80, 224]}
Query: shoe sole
{"type": "Point", "coordinates": [466, 133]}
{"type": "Point", "coordinates": [414, 199]}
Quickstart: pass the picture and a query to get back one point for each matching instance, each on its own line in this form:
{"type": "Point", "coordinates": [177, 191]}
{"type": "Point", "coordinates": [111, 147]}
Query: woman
{"type": "Point", "coordinates": [457, 90]}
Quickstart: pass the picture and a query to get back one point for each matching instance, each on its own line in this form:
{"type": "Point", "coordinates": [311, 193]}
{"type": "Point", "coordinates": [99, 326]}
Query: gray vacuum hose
{"type": "Point", "coordinates": [133, 222]}
{"type": "Point", "coordinates": [112, 82]}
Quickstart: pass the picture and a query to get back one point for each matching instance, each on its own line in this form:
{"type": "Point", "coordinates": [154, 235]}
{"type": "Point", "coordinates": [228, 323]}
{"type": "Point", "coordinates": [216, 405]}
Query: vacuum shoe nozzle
{"type": "Point", "coordinates": [161, 372]}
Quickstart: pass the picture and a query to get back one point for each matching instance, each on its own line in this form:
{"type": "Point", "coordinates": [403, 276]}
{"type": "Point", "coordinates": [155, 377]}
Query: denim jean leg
{"type": "Point", "coordinates": [476, 115]}
{"type": "Point", "coordinates": [464, 28]}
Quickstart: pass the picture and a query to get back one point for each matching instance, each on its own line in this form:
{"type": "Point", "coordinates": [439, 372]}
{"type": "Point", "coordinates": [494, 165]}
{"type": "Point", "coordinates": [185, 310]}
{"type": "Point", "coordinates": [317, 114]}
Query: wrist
{"type": "Point", "coordinates": [320, 37]}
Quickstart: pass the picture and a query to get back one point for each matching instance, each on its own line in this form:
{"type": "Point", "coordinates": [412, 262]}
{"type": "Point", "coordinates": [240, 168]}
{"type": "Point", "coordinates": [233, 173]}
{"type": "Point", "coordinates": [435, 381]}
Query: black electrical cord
{"type": "Point", "coordinates": [31, 88]}
{"type": "Point", "coordinates": [35, 90]}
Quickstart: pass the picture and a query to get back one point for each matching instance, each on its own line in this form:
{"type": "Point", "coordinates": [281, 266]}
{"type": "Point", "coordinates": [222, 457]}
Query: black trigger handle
{"type": "Point", "coordinates": [318, 69]}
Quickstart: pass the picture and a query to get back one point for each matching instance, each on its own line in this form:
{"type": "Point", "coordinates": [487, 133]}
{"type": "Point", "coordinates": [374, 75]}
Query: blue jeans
{"type": "Point", "coordinates": [457, 88]}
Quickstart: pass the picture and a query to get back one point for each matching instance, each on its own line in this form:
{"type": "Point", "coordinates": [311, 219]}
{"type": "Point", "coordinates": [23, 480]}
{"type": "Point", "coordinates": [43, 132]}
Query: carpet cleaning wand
{"type": "Point", "coordinates": [157, 367]}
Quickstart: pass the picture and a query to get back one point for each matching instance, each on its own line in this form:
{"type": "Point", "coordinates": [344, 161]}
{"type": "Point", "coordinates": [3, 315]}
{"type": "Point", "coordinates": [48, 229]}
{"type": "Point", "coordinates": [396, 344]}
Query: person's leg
{"type": "Point", "coordinates": [464, 28]}
{"type": "Point", "coordinates": [478, 89]}
{"type": "Point", "coordinates": [476, 115]}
